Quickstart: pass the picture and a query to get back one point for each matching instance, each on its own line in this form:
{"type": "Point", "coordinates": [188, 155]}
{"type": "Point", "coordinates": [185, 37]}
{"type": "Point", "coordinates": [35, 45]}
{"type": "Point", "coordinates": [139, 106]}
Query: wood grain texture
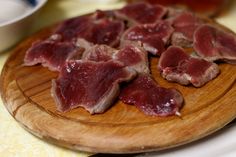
{"type": "Point", "coordinates": [123, 128]}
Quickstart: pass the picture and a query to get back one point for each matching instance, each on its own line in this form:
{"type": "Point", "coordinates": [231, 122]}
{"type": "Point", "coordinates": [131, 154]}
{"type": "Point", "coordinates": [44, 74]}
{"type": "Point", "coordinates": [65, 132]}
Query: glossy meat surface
{"type": "Point", "coordinates": [177, 66]}
{"type": "Point", "coordinates": [141, 13]}
{"type": "Point", "coordinates": [51, 54]}
{"type": "Point", "coordinates": [150, 98]}
{"type": "Point", "coordinates": [213, 44]}
{"type": "Point", "coordinates": [91, 85]}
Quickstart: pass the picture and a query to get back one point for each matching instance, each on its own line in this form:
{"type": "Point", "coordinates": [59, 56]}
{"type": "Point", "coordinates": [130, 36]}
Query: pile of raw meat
{"type": "Point", "coordinates": [104, 56]}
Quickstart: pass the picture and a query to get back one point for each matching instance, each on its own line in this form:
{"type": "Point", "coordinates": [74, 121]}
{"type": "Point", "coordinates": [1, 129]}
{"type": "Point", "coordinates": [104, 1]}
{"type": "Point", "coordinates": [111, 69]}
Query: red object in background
{"type": "Point", "coordinates": [208, 7]}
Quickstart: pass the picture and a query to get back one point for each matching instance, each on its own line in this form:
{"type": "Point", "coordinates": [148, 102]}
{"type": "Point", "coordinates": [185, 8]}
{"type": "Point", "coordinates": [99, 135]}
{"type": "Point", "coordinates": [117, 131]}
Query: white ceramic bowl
{"type": "Point", "coordinates": [16, 19]}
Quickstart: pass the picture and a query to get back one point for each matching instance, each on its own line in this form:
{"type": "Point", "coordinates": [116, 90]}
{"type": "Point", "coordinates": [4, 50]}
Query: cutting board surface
{"type": "Point", "coordinates": [123, 128]}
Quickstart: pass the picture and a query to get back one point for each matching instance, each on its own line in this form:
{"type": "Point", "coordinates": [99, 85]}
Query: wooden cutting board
{"type": "Point", "coordinates": [123, 128]}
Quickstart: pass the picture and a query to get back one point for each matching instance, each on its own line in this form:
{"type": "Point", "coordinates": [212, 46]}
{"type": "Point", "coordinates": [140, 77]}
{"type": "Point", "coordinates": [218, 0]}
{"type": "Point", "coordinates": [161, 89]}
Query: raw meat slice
{"type": "Point", "coordinates": [99, 53]}
{"type": "Point", "coordinates": [83, 45]}
{"type": "Point", "coordinates": [152, 36]}
{"type": "Point", "coordinates": [141, 13]}
{"type": "Point", "coordinates": [162, 29]}
{"type": "Point", "coordinates": [51, 54]}
{"type": "Point", "coordinates": [177, 66]}
{"type": "Point", "coordinates": [153, 44]}
{"type": "Point", "coordinates": [186, 19]}
{"type": "Point", "coordinates": [213, 43]}
{"type": "Point", "coordinates": [98, 28]}
{"type": "Point", "coordinates": [133, 56]}
{"type": "Point", "coordinates": [150, 98]}
{"type": "Point", "coordinates": [185, 25]}
{"type": "Point", "coordinates": [74, 27]}
{"type": "Point", "coordinates": [91, 85]}
{"type": "Point", "coordinates": [106, 32]}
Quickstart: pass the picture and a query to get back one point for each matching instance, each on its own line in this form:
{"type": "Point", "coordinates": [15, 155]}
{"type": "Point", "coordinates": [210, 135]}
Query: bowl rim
{"type": "Point", "coordinates": [30, 12]}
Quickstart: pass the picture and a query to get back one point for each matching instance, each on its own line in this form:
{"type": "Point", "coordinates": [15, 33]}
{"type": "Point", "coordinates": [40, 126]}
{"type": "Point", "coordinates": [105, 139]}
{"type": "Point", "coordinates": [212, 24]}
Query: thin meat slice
{"type": "Point", "coordinates": [106, 32]}
{"type": "Point", "coordinates": [98, 28]}
{"type": "Point", "coordinates": [204, 43]}
{"type": "Point", "coordinates": [150, 98]}
{"type": "Point", "coordinates": [91, 85]}
{"type": "Point", "coordinates": [52, 54]}
{"type": "Point", "coordinates": [74, 27]}
{"type": "Point", "coordinates": [134, 57]}
{"type": "Point", "coordinates": [141, 13]}
{"type": "Point", "coordinates": [153, 44]}
{"type": "Point", "coordinates": [185, 25]}
{"type": "Point", "coordinates": [213, 43]}
{"type": "Point", "coordinates": [130, 55]}
{"type": "Point", "coordinates": [186, 19]}
{"type": "Point", "coordinates": [177, 66]}
{"type": "Point", "coordinates": [99, 53]}
{"type": "Point", "coordinates": [83, 45]}
{"type": "Point", "coordinates": [161, 28]}
{"type": "Point", "coordinates": [152, 36]}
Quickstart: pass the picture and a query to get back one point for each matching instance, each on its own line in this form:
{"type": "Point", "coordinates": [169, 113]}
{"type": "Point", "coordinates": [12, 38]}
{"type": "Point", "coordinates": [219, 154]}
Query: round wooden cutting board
{"type": "Point", "coordinates": [123, 128]}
